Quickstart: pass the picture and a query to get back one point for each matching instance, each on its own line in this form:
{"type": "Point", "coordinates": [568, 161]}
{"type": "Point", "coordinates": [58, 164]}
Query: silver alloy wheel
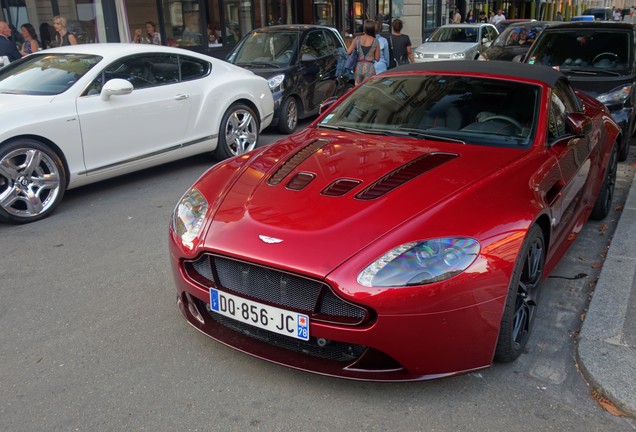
{"type": "Point", "coordinates": [30, 182]}
{"type": "Point", "coordinates": [241, 132]}
{"type": "Point", "coordinates": [291, 116]}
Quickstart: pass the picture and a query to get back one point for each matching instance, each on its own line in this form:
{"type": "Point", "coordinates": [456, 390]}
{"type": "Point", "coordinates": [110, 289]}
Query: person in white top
{"type": "Point", "coordinates": [499, 17]}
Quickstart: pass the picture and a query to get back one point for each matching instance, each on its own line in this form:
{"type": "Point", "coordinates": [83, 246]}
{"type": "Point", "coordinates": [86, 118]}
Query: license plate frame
{"type": "Point", "coordinates": [271, 318]}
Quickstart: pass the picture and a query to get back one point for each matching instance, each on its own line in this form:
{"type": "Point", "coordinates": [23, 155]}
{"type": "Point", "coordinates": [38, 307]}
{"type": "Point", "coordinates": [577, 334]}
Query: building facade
{"type": "Point", "coordinates": [209, 26]}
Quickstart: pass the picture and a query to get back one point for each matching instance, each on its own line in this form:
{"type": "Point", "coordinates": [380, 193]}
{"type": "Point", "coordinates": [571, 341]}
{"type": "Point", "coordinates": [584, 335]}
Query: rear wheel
{"type": "Point", "coordinates": [32, 181]}
{"type": "Point", "coordinates": [523, 297]}
{"type": "Point", "coordinates": [239, 132]}
{"type": "Point", "coordinates": [288, 116]}
{"type": "Point", "coordinates": [603, 203]}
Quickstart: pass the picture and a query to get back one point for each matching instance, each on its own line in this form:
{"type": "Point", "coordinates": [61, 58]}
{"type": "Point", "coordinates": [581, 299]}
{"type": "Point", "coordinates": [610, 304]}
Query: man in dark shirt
{"type": "Point", "coordinates": [7, 47]}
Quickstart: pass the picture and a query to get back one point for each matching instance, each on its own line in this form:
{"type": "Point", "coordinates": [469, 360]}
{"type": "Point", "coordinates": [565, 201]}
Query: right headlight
{"type": "Point", "coordinates": [421, 262]}
{"type": "Point", "coordinates": [616, 96]}
{"type": "Point", "coordinates": [188, 217]}
{"type": "Point", "coordinates": [418, 55]}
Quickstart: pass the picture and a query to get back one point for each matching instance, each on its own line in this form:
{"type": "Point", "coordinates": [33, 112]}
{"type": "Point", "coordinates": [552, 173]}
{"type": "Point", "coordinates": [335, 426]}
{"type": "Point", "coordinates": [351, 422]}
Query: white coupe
{"type": "Point", "coordinates": [81, 114]}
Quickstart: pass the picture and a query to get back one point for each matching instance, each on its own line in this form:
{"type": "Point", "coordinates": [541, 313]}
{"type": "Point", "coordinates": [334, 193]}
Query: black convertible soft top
{"type": "Point", "coordinates": [545, 74]}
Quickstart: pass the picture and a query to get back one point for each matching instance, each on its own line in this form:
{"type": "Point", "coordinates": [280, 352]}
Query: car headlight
{"type": "Point", "coordinates": [276, 82]}
{"type": "Point", "coordinates": [418, 55]}
{"type": "Point", "coordinates": [617, 96]}
{"type": "Point", "coordinates": [421, 262]}
{"type": "Point", "coordinates": [188, 217]}
{"type": "Point", "coordinates": [458, 56]}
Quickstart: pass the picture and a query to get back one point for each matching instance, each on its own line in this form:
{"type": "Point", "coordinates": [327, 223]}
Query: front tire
{"type": "Point", "coordinates": [523, 298]}
{"type": "Point", "coordinates": [603, 203]}
{"type": "Point", "coordinates": [239, 132]}
{"type": "Point", "coordinates": [32, 181]}
{"type": "Point", "coordinates": [288, 116]}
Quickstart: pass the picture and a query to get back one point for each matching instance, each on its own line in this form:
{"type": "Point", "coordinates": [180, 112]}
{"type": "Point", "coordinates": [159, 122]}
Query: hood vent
{"type": "Point", "coordinates": [405, 173]}
{"type": "Point", "coordinates": [299, 181]}
{"type": "Point", "coordinates": [294, 161]}
{"type": "Point", "coordinates": [340, 187]}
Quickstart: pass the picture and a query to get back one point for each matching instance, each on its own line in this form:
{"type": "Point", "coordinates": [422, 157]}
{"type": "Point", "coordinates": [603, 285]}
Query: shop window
{"type": "Point", "coordinates": [215, 34]}
{"type": "Point", "coordinates": [139, 13]}
{"type": "Point", "coordinates": [238, 19]}
{"type": "Point", "coordinates": [182, 23]}
{"type": "Point", "coordinates": [324, 12]}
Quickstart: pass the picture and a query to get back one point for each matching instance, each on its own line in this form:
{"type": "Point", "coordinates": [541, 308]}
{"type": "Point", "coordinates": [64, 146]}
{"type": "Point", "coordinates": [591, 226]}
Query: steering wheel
{"type": "Point", "coordinates": [507, 119]}
{"type": "Point", "coordinates": [611, 55]}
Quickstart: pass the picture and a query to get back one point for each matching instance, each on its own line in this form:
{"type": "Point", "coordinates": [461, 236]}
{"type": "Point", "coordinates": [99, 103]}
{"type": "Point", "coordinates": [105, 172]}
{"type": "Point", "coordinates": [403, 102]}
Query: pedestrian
{"type": "Point", "coordinates": [152, 35]}
{"type": "Point", "coordinates": [30, 44]}
{"type": "Point", "coordinates": [457, 19]}
{"type": "Point", "coordinates": [62, 36]}
{"type": "Point", "coordinates": [7, 46]}
{"type": "Point", "coordinates": [499, 17]}
{"type": "Point", "coordinates": [470, 18]}
{"type": "Point", "coordinates": [383, 64]}
{"type": "Point", "coordinates": [399, 45]}
{"type": "Point", "coordinates": [559, 17]}
{"type": "Point", "coordinates": [368, 50]}
{"type": "Point", "coordinates": [482, 17]}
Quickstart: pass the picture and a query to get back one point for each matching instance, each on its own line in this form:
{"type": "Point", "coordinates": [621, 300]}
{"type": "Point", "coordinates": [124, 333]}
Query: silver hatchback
{"type": "Point", "coordinates": [456, 42]}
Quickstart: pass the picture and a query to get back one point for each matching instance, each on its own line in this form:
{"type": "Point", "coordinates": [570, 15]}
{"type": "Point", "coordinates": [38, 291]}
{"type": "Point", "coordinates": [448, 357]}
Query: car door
{"type": "Point", "coordinates": [573, 153]}
{"type": "Point", "coordinates": [313, 72]}
{"type": "Point", "coordinates": [147, 123]}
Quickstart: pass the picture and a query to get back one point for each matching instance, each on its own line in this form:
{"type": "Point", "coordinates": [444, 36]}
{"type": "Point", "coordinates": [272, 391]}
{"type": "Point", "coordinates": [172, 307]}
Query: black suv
{"type": "Point", "coordinates": [304, 65]}
{"type": "Point", "coordinates": [598, 58]}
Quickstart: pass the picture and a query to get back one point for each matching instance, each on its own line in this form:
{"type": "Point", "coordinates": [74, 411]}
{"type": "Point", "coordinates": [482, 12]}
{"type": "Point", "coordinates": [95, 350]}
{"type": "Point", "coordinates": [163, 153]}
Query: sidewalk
{"type": "Point", "coordinates": [607, 342]}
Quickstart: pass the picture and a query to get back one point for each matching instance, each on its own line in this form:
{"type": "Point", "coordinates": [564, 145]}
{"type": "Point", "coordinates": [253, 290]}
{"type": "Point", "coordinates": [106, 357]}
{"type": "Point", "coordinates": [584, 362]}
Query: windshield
{"type": "Point", "coordinates": [272, 48]}
{"type": "Point", "coordinates": [45, 74]}
{"type": "Point", "coordinates": [455, 33]}
{"type": "Point", "coordinates": [470, 110]}
{"type": "Point", "coordinates": [583, 50]}
{"type": "Point", "coordinates": [518, 35]}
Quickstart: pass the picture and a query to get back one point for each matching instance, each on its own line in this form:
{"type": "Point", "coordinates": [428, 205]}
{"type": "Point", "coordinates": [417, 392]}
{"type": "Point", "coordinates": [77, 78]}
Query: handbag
{"type": "Point", "coordinates": [352, 59]}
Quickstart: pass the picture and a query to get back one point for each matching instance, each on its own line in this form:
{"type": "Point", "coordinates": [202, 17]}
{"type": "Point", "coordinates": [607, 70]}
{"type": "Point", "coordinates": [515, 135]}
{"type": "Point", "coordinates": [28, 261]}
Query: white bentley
{"type": "Point", "coordinates": [76, 115]}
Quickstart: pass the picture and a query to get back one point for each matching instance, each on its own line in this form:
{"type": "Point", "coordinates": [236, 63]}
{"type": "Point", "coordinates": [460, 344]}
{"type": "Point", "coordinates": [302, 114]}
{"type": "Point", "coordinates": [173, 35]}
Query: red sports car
{"type": "Point", "coordinates": [406, 233]}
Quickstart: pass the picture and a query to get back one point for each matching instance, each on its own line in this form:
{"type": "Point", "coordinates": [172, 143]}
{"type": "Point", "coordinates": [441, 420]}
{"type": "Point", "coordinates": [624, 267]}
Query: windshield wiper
{"type": "Point", "coordinates": [349, 129]}
{"type": "Point", "coordinates": [416, 133]}
{"type": "Point", "coordinates": [590, 71]}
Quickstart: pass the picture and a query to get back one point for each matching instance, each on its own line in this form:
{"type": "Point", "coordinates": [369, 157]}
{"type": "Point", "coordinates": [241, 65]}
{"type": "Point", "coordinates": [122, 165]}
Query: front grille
{"type": "Point", "coordinates": [275, 287]}
{"type": "Point", "coordinates": [336, 351]}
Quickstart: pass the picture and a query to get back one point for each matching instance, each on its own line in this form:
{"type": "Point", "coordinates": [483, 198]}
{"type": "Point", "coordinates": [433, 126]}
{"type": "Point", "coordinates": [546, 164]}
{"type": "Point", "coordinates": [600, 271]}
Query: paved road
{"type": "Point", "coordinates": [91, 339]}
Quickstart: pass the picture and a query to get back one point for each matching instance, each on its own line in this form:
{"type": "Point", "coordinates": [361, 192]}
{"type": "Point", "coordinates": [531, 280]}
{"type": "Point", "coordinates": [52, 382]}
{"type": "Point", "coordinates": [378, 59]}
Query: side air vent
{"type": "Point", "coordinates": [296, 160]}
{"type": "Point", "coordinates": [300, 181]}
{"type": "Point", "coordinates": [405, 173]}
{"type": "Point", "coordinates": [340, 187]}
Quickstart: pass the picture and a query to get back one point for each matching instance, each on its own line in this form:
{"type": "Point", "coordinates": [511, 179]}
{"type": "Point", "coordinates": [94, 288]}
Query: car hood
{"type": "Point", "coordinates": [266, 71]}
{"type": "Point", "coordinates": [445, 47]}
{"type": "Point", "coordinates": [313, 206]}
{"type": "Point", "coordinates": [11, 102]}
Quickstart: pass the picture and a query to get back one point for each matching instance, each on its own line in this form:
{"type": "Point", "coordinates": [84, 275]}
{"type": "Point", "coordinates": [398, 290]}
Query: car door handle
{"type": "Point", "coordinates": [181, 97]}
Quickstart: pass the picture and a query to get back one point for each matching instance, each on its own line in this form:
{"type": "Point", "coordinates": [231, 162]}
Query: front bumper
{"type": "Point", "coordinates": [382, 347]}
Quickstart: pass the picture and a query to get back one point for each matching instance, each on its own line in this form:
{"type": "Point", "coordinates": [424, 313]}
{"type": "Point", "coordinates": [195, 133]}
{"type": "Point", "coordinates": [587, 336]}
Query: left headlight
{"type": "Point", "coordinates": [458, 56]}
{"type": "Point", "coordinates": [418, 55]}
{"type": "Point", "coordinates": [617, 96]}
{"type": "Point", "coordinates": [188, 217]}
{"type": "Point", "coordinates": [276, 82]}
{"type": "Point", "coordinates": [421, 262]}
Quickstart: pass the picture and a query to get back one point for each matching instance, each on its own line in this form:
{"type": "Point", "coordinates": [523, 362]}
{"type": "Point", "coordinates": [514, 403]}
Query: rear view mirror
{"type": "Point", "coordinates": [116, 87]}
{"type": "Point", "coordinates": [579, 124]}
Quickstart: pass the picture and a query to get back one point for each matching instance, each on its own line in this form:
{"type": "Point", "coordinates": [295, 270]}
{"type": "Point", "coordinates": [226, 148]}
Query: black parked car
{"type": "Point", "coordinates": [598, 58]}
{"type": "Point", "coordinates": [304, 65]}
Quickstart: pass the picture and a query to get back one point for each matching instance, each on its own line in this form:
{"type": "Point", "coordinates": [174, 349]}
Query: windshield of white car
{"type": "Point", "coordinates": [455, 34]}
{"type": "Point", "coordinates": [45, 74]}
{"type": "Point", "coordinates": [452, 108]}
{"type": "Point", "coordinates": [584, 49]}
{"type": "Point", "coordinates": [273, 49]}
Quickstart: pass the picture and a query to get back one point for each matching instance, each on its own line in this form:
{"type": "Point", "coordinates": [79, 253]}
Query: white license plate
{"type": "Point", "coordinates": [270, 318]}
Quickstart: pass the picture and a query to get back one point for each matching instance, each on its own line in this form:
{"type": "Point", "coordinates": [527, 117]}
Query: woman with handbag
{"type": "Point", "coordinates": [399, 45]}
{"type": "Point", "coordinates": [368, 50]}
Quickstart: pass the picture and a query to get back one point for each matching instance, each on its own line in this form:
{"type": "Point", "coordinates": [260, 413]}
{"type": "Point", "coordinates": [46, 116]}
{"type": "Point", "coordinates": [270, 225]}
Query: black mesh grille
{"type": "Point", "coordinates": [336, 351]}
{"type": "Point", "coordinates": [276, 288]}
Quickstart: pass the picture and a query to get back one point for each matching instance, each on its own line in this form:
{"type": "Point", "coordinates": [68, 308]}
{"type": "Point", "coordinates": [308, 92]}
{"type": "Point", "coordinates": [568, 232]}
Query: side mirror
{"type": "Point", "coordinates": [518, 58]}
{"type": "Point", "coordinates": [326, 104]}
{"type": "Point", "coordinates": [306, 57]}
{"type": "Point", "coordinates": [579, 124]}
{"type": "Point", "coordinates": [116, 87]}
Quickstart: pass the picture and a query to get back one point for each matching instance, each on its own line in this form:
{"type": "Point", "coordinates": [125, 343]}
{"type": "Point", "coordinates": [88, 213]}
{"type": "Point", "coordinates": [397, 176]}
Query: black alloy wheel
{"type": "Point", "coordinates": [523, 298]}
{"type": "Point", "coordinates": [603, 203]}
